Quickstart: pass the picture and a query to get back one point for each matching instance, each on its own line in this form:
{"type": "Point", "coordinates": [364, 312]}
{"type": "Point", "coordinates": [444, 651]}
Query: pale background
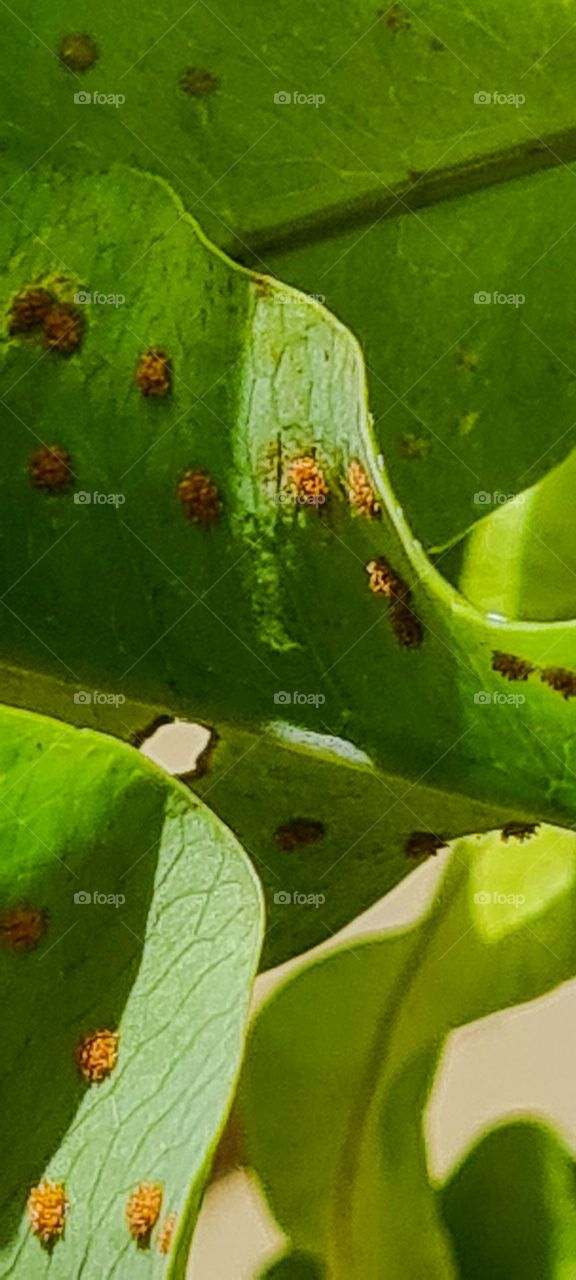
{"type": "Point", "coordinates": [513, 1063]}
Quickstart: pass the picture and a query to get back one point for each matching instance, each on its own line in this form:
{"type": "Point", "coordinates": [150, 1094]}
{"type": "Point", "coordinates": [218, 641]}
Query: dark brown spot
{"type": "Point", "coordinates": [263, 286]}
{"type": "Point", "coordinates": [198, 83]}
{"type": "Point", "coordinates": [78, 52]}
{"type": "Point", "coordinates": [561, 680]}
{"type": "Point", "coordinates": [396, 18]}
{"type": "Point", "coordinates": [29, 310]}
{"type": "Point", "coordinates": [412, 446]}
{"type": "Point", "coordinates": [298, 833]}
{"type": "Point", "coordinates": [200, 496]}
{"type": "Point", "coordinates": [406, 625]}
{"type": "Point", "coordinates": [519, 830]}
{"type": "Point", "coordinates": [21, 928]}
{"type": "Point", "coordinates": [510, 667]}
{"type": "Point", "coordinates": [97, 1055]}
{"type": "Point", "coordinates": [50, 469]}
{"type": "Point", "coordinates": [143, 1211]}
{"type": "Point", "coordinates": [154, 373]}
{"type": "Point", "coordinates": [62, 329]}
{"type": "Point", "coordinates": [383, 580]}
{"type": "Point", "coordinates": [467, 359]}
{"type": "Point", "coordinates": [424, 844]}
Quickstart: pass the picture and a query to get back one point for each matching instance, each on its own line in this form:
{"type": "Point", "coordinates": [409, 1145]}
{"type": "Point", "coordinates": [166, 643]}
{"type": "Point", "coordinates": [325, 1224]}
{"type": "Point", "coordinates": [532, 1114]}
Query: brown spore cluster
{"type": "Point", "coordinates": [78, 52]}
{"type": "Point", "coordinates": [200, 496]}
{"type": "Point", "coordinates": [47, 1207]}
{"type": "Point", "coordinates": [306, 481]}
{"type": "Point", "coordinates": [143, 1211]}
{"type": "Point", "coordinates": [22, 928]}
{"type": "Point", "coordinates": [154, 373]}
{"type": "Point", "coordinates": [97, 1055]}
{"type": "Point", "coordinates": [360, 492]}
{"type": "Point", "coordinates": [50, 469]}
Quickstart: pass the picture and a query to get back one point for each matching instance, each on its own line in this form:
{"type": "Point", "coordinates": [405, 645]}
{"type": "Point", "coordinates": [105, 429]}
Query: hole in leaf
{"type": "Point", "coordinates": [180, 747]}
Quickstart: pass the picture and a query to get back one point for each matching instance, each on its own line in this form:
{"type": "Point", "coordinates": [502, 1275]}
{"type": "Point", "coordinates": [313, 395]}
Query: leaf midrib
{"type": "Point", "coordinates": [381, 1052]}
{"type": "Point", "coordinates": [418, 192]}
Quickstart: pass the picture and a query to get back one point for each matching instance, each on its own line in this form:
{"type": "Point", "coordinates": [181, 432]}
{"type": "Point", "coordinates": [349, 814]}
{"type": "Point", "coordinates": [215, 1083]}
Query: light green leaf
{"type": "Point", "coordinates": [473, 401]}
{"type": "Point", "coordinates": [341, 1060]}
{"type": "Point", "coordinates": [147, 921]}
{"type": "Point", "coordinates": [520, 560]}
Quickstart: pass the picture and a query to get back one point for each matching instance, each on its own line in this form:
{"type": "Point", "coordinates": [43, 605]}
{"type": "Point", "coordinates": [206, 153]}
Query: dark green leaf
{"type": "Point", "coordinates": [511, 1206]}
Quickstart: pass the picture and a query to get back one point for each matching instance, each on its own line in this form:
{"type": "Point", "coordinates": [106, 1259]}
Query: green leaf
{"type": "Point", "coordinates": [398, 110]}
{"type": "Point", "coordinates": [294, 1266]}
{"type": "Point", "coordinates": [342, 1058]}
{"type": "Point", "coordinates": [520, 560]}
{"type": "Point", "coordinates": [398, 130]}
{"type": "Point", "coordinates": [511, 1206]}
{"type": "Point", "coordinates": [472, 402]}
{"type": "Point", "coordinates": [129, 600]}
{"type": "Point", "coordinates": [147, 922]}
